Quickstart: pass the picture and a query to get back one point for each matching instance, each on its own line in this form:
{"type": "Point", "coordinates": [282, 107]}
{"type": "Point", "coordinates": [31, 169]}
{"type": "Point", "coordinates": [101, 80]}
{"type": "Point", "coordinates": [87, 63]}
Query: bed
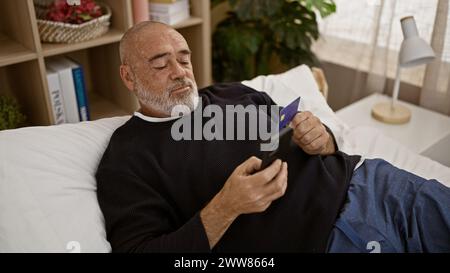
{"type": "Point", "coordinates": [48, 197]}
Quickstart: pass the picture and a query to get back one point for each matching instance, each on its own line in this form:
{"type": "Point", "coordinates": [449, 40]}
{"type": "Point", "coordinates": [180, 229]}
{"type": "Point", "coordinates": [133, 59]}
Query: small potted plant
{"type": "Point", "coordinates": [260, 37]}
{"type": "Point", "coordinates": [10, 114]}
{"type": "Point", "coordinates": [60, 22]}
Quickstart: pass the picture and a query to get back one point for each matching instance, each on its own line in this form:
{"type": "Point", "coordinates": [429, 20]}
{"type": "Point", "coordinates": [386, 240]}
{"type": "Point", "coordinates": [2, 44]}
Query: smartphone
{"type": "Point", "coordinates": [284, 146]}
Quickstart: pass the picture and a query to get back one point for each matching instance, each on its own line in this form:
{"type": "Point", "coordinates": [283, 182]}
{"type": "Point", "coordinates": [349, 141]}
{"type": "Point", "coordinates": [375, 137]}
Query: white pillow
{"type": "Point", "coordinates": [299, 81]}
{"type": "Point", "coordinates": [48, 190]}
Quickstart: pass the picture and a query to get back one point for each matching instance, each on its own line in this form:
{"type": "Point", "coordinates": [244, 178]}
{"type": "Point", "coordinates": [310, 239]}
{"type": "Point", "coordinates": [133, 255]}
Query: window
{"type": "Point", "coordinates": [361, 25]}
{"type": "Point", "coordinates": [357, 20]}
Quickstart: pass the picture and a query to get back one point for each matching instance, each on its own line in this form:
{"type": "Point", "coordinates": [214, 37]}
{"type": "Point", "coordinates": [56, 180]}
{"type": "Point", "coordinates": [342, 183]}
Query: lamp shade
{"type": "Point", "coordinates": [414, 50]}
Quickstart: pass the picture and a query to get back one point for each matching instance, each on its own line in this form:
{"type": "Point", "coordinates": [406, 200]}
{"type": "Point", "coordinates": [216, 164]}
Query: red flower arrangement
{"type": "Point", "coordinates": [60, 11]}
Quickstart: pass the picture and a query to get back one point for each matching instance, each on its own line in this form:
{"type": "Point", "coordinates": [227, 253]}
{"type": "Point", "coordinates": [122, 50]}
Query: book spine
{"type": "Point", "coordinates": [169, 8]}
{"type": "Point", "coordinates": [171, 19]}
{"type": "Point", "coordinates": [56, 98]}
{"type": "Point", "coordinates": [70, 100]}
{"type": "Point", "coordinates": [140, 13]}
{"type": "Point", "coordinates": [80, 90]}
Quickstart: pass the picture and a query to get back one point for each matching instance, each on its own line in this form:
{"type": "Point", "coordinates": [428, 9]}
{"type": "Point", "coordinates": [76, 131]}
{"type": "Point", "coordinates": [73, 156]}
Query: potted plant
{"type": "Point", "coordinates": [256, 33]}
{"type": "Point", "coordinates": [63, 23]}
{"type": "Point", "coordinates": [10, 114]}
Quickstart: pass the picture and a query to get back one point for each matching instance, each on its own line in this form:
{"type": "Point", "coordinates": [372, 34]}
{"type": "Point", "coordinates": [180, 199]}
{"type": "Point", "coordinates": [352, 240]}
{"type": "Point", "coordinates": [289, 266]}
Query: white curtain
{"type": "Point", "coordinates": [436, 86]}
{"type": "Point", "coordinates": [366, 35]}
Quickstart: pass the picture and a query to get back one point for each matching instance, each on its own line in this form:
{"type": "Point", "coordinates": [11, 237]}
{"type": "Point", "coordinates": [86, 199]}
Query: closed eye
{"type": "Point", "coordinates": [160, 67]}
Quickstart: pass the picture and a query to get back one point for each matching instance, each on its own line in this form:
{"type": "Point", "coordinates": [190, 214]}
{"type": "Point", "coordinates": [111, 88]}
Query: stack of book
{"type": "Point", "coordinates": [67, 90]}
{"type": "Point", "coordinates": [169, 12]}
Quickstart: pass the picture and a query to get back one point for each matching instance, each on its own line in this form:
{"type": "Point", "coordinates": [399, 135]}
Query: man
{"type": "Point", "coordinates": [162, 195]}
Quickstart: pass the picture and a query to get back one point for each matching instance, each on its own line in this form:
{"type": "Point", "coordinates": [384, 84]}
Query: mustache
{"type": "Point", "coordinates": [180, 84]}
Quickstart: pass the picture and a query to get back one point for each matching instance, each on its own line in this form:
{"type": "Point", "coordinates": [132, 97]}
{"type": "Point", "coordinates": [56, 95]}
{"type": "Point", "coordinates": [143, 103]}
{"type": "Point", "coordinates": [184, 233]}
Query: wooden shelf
{"type": "Point", "coordinates": [112, 36]}
{"type": "Point", "coordinates": [192, 21]}
{"type": "Point", "coordinates": [24, 56]}
{"type": "Point", "coordinates": [12, 52]}
{"type": "Point", "coordinates": [100, 108]}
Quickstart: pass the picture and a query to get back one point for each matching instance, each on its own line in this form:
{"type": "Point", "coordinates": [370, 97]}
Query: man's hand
{"type": "Point", "coordinates": [311, 135]}
{"type": "Point", "coordinates": [247, 190]}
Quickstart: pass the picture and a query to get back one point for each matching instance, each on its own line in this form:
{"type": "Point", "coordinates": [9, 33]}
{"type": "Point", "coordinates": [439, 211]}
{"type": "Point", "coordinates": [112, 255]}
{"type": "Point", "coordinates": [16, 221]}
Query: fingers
{"type": "Point", "coordinates": [277, 187]}
{"type": "Point", "coordinates": [273, 190]}
{"type": "Point", "coordinates": [310, 136]}
{"type": "Point", "coordinates": [309, 133]}
{"type": "Point", "coordinates": [299, 118]}
{"type": "Point", "coordinates": [318, 145]}
{"type": "Point", "coordinates": [308, 122]}
{"type": "Point", "coordinates": [268, 174]}
{"type": "Point", "coordinates": [250, 166]}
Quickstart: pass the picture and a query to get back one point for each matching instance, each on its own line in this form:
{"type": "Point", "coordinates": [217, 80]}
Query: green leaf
{"type": "Point", "coordinates": [86, 17]}
{"type": "Point", "coordinates": [324, 7]}
{"type": "Point", "coordinates": [256, 31]}
{"type": "Point", "coordinates": [248, 10]}
{"type": "Point", "coordinates": [10, 115]}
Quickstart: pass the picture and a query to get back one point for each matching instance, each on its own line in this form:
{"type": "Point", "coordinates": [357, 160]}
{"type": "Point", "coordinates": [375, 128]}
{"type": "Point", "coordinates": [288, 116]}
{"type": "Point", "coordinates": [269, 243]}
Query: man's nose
{"type": "Point", "coordinates": [177, 71]}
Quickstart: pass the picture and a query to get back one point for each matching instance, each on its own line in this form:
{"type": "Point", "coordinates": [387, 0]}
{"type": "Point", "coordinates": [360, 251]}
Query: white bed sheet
{"type": "Point", "coordinates": [372, 143]}
{"type": "Point", "coordinates": [365, 141]}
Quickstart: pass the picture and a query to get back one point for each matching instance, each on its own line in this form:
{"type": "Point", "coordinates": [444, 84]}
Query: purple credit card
{"type": "Point", "coordinates": [288, 113]}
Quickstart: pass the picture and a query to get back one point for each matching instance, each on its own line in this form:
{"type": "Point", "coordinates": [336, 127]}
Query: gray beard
{"type": "Point", "coordinates": [169, 106]}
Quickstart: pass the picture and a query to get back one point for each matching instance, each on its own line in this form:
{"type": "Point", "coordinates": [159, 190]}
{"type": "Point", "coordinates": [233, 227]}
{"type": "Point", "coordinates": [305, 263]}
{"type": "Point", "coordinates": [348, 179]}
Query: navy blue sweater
{"type": "Point", "coordinates": [151, 189]}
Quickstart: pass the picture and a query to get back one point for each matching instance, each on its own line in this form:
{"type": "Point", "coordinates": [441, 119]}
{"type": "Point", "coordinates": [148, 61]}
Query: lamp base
{"type": "Point", "coordinates": [384, 112]}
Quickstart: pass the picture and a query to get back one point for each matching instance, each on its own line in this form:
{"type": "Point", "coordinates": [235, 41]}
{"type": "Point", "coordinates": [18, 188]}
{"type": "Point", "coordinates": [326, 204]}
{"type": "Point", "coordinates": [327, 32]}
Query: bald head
{"type": "Point", "coordinates": [138, 35]}
{"type": "Point", "coordinates": [156, 67]}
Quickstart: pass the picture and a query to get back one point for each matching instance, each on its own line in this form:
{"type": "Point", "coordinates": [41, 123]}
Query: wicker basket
{"type": "Point", "coordinates": [57, 32]}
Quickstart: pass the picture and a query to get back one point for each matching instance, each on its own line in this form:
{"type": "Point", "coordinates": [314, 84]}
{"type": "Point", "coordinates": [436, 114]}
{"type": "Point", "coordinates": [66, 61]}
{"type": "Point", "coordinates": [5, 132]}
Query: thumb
{"type": "Point", "coordinates": [251, 165]}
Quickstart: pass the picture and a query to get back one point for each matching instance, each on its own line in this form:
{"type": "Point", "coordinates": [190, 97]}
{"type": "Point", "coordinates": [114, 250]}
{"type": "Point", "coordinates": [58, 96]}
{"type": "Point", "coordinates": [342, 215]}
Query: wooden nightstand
{"type": "Point", "coordinates": [428, 132]}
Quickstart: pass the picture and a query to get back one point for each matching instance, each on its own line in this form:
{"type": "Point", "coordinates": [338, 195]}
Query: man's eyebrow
{"type": "Point", "coordinates": [157, 56]}
{"type": "Point", "coordinates": [161, 55]}
{"type": "Point", "coordinates": [185, 52]}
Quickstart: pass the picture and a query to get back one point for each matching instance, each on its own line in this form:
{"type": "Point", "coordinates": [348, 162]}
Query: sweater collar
{"type": "Point", "coordinates": [153, 119]}
{"type": "Point", "coordinates": [157, 120]}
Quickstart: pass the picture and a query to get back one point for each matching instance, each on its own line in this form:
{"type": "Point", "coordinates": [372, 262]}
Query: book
{"type": "Point", "coordinates": [64, 70]}
{"type": "Point", "coordinates": [56, 97]}
{"type": "Point", "coordinates": [80, 90]}
{"type": "Point", "coordinates": [170, 19]}
{"type": "Point", "coordinates": [140, 11]}
{"type": "Point", "coordinates": [174, 8]}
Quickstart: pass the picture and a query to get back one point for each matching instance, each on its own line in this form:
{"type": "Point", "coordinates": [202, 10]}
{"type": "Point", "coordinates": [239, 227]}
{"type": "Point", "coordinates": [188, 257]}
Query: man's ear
{"type": "Point", "coordinates": [127, 76]}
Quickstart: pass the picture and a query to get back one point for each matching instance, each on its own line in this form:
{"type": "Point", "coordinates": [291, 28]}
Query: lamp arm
{"type": "Point", "coordinates": [396, 86]}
